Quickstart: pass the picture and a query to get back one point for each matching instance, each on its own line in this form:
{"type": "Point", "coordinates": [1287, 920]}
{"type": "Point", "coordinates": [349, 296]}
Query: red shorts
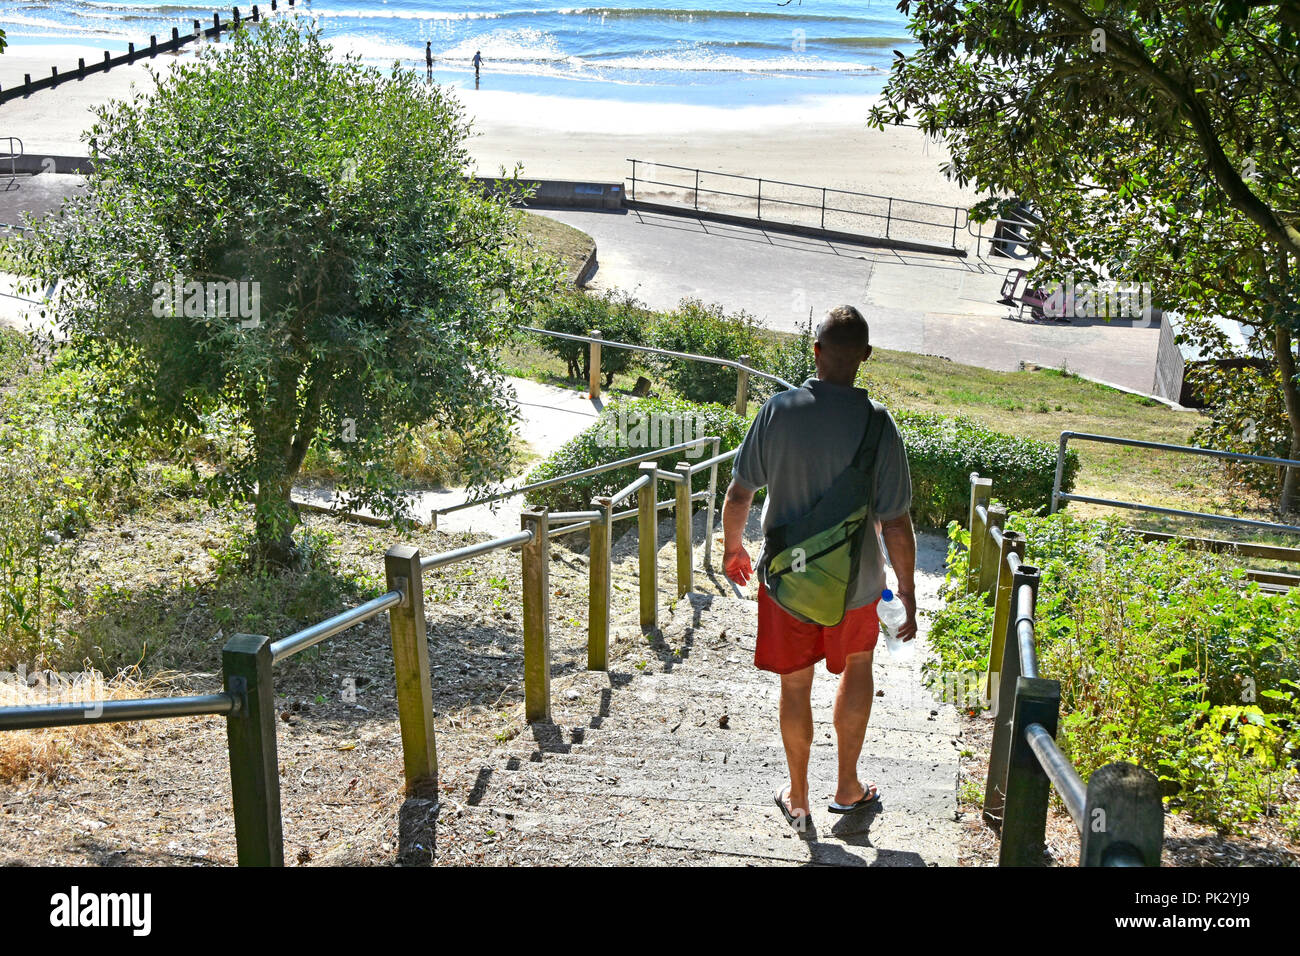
{"type": "Point", "coordinates": [787, 644]}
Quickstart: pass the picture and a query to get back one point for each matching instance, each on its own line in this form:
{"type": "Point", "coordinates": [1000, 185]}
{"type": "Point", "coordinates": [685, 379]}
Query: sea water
{"type": "Point", "coordinates": [714, 53]}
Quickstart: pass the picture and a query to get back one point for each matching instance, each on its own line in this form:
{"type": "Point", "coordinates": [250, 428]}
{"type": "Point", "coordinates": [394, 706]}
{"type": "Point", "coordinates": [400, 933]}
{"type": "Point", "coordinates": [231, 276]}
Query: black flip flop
{"type": "Point", "coordinates": [871, 796]}
{"type": "Point", "coordinates": [800, 823]}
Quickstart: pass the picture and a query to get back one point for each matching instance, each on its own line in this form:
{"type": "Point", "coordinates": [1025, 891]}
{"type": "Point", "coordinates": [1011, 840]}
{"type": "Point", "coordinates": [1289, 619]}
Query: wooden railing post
{"type": "Point", "coordinates": [593, 366]}
{"type": "Point", "coordinates": [598, 587]}
{"type": "Point", "coordinates": [647, 531]}
{"type": "Point", "coordinates": [682, 513]}
{"type": "Point", "coordinates": [254, 766]}
{"type": "Point", "coordinates": [1024, 818]}
{"type": "Point", "coordinates": [537, 616]}
{"type": "Point", "coordinates": [406, 626]}
{"type": "Point", "coordinates": [1123, 819]}
{"type": "Point", "coordinates": [981, 491]}
{"type": "Point", "coordinates": [742, 387]}
{"type": "Point", "coordinates": [989, 561]}
{"type": "Point", "coordinates": [1012, 543]}
{"type": "Point", "coordinates": [1009, 670]}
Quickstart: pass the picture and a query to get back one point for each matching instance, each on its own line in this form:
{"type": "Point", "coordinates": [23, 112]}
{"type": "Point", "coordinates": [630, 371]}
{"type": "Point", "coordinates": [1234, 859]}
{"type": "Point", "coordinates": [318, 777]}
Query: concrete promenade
{"type": "Point", "coordinates": [915, 302]}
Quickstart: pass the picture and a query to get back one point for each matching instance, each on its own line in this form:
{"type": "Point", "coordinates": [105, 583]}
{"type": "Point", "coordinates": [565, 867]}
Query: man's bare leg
{"type": "Point", "coordinates": [797, 734]}
{"type": "Point", "coordinates": [852, 711]}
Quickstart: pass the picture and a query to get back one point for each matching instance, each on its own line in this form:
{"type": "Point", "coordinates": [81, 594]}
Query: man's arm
{"type": "Point", "coordinates": [900, 542]}
{"type": "Point", "coordinates": [735, 512]}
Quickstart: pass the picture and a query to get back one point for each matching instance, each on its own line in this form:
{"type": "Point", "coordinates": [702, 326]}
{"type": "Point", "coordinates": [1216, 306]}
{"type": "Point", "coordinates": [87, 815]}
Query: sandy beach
{"type": "Point", "coordinates": [823, 142]}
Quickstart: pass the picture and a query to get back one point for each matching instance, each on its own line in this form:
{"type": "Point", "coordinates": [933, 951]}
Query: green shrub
{"type": "Point", "coordinates": [790, 358]}
{"type": "Point", "coordinates": [618, 316]}
{"type": "Point", "coordinates": [942, 453]}
{"type": "Point", "coordinates": [706, 330]}
{"type": "Point", "coordinates": [624, 428]}
{"type": "Point", "coordinates": [1166, 657]}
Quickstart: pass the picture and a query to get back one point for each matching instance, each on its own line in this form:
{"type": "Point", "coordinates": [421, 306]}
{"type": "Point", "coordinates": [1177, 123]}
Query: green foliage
{"type": "Point", "coordinates": [626, 427]}
{"type": "Point", "coordinates": [790, 359]}
{"type": "Point", "coordinates": [386, 279]}
{"type": "Point", "coordinates": [942, 453]}
{"type": "Point", "coordinates": [55, 481]}
{"type": "Point", "coordinates": [1151, 138]}
{"type": "Point", "coordinates": [1247, 414]}
{"type": "Point", "coordinates": [15, 355]}
{"type": "Point", "coordinates": [706, 330]}
{"type": "Point", "coordinates": [618, 316]}
{"type": "Point", "coordinates": [1166, 656]}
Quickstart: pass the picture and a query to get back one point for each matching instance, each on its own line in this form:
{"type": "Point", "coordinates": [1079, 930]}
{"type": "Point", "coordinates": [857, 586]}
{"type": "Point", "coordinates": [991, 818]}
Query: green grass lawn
{"type": "Point", "coordinates": [1037, 404]}
{"type": "Point", "coordinates": [571, 246]}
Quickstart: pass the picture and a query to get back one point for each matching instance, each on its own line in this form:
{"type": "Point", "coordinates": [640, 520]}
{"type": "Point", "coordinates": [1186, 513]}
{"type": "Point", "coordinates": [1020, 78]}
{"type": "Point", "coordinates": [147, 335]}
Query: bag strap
{"type": "Point", "coordinates": [865, 457]}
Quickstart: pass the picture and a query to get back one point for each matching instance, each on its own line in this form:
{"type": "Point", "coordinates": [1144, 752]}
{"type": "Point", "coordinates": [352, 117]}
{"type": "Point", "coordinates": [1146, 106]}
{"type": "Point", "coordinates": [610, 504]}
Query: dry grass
{"type": "Point", "coordinates": [47, 755]}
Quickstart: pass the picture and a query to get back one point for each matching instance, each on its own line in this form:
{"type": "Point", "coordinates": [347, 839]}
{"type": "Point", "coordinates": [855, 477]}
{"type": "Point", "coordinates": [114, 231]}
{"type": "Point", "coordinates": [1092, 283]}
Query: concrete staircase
{"type": "Point", "coordinates": [674, 756]}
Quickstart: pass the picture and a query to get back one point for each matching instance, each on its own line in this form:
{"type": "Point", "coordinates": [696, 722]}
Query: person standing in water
{"type": "Point", "coordinates": [478, 61]}
{"type": "Point", "coordinates": [428, 57]}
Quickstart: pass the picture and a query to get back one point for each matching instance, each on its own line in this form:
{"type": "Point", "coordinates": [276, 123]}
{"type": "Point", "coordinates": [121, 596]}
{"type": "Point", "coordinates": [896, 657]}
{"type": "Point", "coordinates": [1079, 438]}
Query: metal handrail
{"type": "Point", "coordinates": [1060, 771]}
{"type": "Point", "coordinates": [474, 550]}
{"type": "Point", "coordinates": [585, 473]}
{"type": "Point", "coordinates": [1059, 496]}
{"type": "Point", "coordinates": [570, 528]}
{"type": "Point", "coordinates": [13, 156]}
{"type": "Point", "coordinates": [715, 460]}
{"type": "Point", "coordinates": [301, 640]}
{"type": "Point", "coordinates": [711, 360]}
{"type": "Point", "coordinates": [630, 489]}
{"type": "Point", "coordinates": [39, 716]}
{"type": "Point", "coordinates": [957, 211]}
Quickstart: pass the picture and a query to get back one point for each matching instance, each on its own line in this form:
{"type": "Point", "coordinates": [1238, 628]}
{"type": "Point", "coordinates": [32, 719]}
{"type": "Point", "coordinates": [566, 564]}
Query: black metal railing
{"type": "Point", "coordinates": [1118, 813]}
{"type": "Point", "coordinates": [863, 215]}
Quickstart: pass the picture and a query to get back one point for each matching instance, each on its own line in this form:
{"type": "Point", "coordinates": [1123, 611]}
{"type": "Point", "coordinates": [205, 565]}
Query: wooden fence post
{"type": "Point", "coordinates": [1012, 543]}
{"type": "Point", "coordinates": [593, 366]}
{"type": "Point", "coordinates": [682, 513]}
{"type": "Point", "coordinates": [598, 586]}
{"type": "Point", "coordinates": [254, 766]}
{"type": "Point", "coordinates": [1024, 817]}
{"type": "Point", "coordinates": [981, 491]}
{"type": "Point", "coordinates": [1009, 671]}
{"type": "Point", "coordinates": [989, 560]}
{"type": "Point", "coordinates": [742, 387]}
{"type": "Point", "coordinates": [1123, 819]}
{"type": "Point", "coordinates": [647, 532]}
{"type": "Point", "coordinates": [537, 616]}
{"type": "Point", "coordinates": [407, 628]}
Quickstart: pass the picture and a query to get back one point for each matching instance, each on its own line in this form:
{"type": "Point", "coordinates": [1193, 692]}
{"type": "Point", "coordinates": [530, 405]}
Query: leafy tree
{"type": "Point", "coordinates": [374, 280]}
{"type": "Point", "coordinates": [616, 315]}
{"type": "Point", "coordinates": [1156, 138]}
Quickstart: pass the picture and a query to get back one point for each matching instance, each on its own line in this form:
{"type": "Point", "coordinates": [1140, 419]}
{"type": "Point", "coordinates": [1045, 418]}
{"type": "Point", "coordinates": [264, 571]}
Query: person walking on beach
{"type": "Point", "coordinates": [800, 442]}
{"type": "Point", "coordinates": [478, 61]}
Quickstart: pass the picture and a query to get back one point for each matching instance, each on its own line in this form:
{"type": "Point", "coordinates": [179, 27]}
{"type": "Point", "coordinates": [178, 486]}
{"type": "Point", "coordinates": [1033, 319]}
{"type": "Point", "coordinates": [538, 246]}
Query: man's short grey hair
{"type": "Point", "coordinates": [844, 333]}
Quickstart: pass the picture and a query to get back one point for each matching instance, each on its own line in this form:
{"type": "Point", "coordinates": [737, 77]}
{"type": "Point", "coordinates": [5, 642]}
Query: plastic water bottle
{"type": "Point", "coordinates": [893, 615]}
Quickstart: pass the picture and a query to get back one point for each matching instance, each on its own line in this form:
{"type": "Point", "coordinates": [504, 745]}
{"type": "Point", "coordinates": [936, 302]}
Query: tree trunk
{"type": "Point", "coordinates": [281, 447]}
{"type": "Point", "coordinates": [1282, 350]}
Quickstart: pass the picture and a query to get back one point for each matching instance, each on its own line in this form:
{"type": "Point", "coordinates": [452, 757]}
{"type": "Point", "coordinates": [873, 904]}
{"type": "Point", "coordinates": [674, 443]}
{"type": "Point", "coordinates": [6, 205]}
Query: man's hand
{"type": "Point", "coordinates": [908, 629]}
{"type": "Point", "coordinates": [735, 511]}
{"type": "Point", "coordinates": [737, 567]}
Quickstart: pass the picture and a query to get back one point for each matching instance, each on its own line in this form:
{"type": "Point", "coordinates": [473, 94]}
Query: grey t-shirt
{"type": "Point", "coordinates": [801, 440]}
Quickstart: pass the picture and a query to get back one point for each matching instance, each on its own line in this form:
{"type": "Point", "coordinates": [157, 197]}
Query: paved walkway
{"type": "Point", "coordinates": [548, 417]}
{"type": "Point", "coordinates": [675, 756]}
{"type": "Point", "coordinates": [915, 302]}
